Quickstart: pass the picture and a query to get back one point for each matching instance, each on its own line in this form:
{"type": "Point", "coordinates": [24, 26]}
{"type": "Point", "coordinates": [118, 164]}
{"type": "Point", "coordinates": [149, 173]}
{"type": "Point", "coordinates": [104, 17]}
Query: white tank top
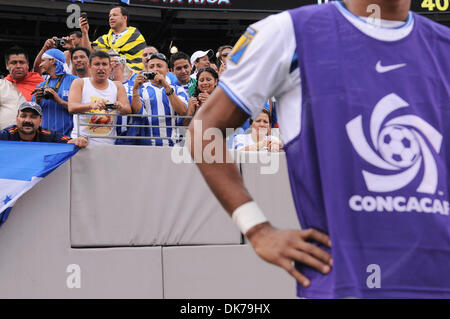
{"type": "Point", "coordinates": [90, 95]}
{"type": "Point", "coordinates": [69, 67]}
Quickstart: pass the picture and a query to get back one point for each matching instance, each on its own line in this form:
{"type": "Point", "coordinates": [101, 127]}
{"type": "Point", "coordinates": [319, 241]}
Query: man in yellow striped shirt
{"type": "Point", "coordinates": [125, 40]}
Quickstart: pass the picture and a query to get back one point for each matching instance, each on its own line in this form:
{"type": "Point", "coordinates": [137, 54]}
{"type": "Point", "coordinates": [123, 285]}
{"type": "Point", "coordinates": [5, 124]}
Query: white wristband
{"type": "Point", "coordinates": [248, 215]}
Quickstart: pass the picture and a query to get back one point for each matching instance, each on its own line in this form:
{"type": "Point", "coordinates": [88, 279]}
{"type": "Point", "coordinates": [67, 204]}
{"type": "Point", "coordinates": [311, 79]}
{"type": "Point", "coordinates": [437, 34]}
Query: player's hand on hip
{"type": "Point", "coordinates": [283, 247]}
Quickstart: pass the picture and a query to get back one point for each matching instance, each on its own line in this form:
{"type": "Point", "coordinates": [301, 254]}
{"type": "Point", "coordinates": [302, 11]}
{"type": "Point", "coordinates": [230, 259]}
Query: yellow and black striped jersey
{"type": "Point", "coordinates": [130, 45]}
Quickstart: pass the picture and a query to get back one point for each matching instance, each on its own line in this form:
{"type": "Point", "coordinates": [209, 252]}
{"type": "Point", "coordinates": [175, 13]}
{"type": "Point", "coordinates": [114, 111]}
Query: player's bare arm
{"type": "Point", "coordinates": [280, 247]}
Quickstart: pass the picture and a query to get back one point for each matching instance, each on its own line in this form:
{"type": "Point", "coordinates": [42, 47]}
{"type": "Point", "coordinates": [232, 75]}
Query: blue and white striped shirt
{"type": "Point", "coordinates": [155, 102]}
{"type": "Point", "coordinates": [123, 120]}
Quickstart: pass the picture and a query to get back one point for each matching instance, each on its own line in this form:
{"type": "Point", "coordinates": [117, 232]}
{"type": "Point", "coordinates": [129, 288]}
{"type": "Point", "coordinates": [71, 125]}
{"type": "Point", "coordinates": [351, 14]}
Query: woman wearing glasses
{"type": "Point", "coordinates": [222, 54]}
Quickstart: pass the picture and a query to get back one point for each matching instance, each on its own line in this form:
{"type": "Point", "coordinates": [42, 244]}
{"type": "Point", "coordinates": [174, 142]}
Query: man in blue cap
{"type": "Point", "coordinates": [52, 94]}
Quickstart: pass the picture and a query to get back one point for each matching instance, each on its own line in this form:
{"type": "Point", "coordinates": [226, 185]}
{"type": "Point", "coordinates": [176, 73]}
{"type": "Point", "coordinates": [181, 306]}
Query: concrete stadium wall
{"type": "Point", "coordinates": [132, 224]}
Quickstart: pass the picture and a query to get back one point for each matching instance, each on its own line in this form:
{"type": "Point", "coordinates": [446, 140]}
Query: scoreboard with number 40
{"type": "Point", "coordinates": [435, 5]}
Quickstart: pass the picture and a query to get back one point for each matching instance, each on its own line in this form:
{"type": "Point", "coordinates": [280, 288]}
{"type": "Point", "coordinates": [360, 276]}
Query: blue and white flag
{"type": "Point", "coordinates": [23, 165]}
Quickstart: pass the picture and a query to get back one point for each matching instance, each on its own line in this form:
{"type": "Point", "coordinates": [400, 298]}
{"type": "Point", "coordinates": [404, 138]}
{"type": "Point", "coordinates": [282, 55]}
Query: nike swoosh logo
{"type": "Point", "coordinates": [383, 69]}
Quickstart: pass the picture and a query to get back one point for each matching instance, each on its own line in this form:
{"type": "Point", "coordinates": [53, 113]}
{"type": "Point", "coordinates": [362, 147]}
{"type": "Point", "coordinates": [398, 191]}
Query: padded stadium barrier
{"type": "Point", "coordinates": [128, 222]}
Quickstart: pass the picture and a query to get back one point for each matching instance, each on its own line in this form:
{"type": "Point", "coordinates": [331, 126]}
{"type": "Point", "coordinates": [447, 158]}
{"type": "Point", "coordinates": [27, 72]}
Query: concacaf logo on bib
{"type": "Point", "coordinates": [400, 148]}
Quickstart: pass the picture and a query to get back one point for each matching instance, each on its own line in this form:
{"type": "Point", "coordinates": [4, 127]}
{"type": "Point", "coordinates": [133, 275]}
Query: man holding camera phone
{"type": "Point", "coordinates": [100, 96]}
{"type": "Point", "coordinates": [53, 93]}
{"type": "Point", "coordinates": [124, 39]}
{"type": "Point", "coordinates": [156, 97]}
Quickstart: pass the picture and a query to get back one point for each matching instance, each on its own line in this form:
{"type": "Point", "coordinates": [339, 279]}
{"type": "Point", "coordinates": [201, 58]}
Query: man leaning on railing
{"type": "Point", "coordinates": [102, 98]}
{"type": "Point", "coordinates": [28, 128]}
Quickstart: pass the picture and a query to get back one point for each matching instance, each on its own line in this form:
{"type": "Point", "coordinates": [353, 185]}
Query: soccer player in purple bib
{"type": "Point", "coordinates": [364, 115]}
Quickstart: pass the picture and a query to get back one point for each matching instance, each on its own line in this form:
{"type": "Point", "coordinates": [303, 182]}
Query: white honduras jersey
{"type": "Point", "coordinates": [157, 104]}
{"type": "Point", "coordinates": [251, 77]}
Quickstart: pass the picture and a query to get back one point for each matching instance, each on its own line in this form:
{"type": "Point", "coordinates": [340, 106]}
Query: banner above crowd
{"type": "Point", "coordinates": [421, 6]}
{"type": "Point", "coordinates": [238, 5]}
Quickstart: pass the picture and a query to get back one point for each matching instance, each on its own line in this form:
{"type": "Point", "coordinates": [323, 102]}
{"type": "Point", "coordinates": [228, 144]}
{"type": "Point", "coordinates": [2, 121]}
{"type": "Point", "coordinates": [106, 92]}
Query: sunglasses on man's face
{"type": "Point", "coordinates": [157, 56]}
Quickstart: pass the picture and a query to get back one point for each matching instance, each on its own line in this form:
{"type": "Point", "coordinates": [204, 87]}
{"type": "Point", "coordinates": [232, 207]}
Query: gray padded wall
{"type": "Point", "coordinates": [224, 272]}
{"type": "Point", "coordinates": [37, 241]}
{"type": "Point", "coordinates": [35, 253]}
{"type": "Point", "coordinates": [272, 192]}
{"type": "Point", "coordinates": [146, 199]}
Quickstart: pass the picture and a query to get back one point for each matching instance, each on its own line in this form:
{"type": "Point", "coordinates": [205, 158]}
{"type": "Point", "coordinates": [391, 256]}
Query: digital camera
{"type": "Point", "coordinates": [59, 42]}
{"type": "Point", "coordinates": [110, 106]}
{"type": "Point", "coordinates": [46, 95]}
{"type": "Point", "coordinates": [149, 75]}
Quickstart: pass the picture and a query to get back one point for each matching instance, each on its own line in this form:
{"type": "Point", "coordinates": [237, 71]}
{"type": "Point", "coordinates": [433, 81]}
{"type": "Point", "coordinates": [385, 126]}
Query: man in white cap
{"type": "Point", "coordinates": [53, 93]}
{"type": "Point", "coordinates": [200, 60]}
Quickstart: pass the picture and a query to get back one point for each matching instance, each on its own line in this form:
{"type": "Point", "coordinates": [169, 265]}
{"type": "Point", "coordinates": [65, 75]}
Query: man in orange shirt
{"type": "Point", "coordinates": [16, 60]}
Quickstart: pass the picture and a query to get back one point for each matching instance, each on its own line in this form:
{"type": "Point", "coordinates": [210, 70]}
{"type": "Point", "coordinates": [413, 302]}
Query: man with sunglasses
{"type": "Point", "coordinates": [363, 108]}
{"type": "Point", "coordinates": [154, 96]}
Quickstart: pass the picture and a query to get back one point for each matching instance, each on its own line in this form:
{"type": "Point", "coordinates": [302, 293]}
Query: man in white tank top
{"type": "Point", "coordinates": [97, 94]}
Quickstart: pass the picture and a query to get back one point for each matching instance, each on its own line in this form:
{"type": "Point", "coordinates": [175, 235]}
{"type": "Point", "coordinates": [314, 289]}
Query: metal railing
{"type": "Point", "coordinates": [177, 129]}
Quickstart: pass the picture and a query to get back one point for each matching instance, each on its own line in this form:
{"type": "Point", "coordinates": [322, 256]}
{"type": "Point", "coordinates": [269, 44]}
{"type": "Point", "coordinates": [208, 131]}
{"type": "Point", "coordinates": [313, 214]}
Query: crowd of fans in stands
{"type": "Point", "coordinates": [116, 90]}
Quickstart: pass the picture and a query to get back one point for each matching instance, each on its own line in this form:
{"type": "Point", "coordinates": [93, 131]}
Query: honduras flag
{"type": "Point", "coordinates": [23, 165]}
